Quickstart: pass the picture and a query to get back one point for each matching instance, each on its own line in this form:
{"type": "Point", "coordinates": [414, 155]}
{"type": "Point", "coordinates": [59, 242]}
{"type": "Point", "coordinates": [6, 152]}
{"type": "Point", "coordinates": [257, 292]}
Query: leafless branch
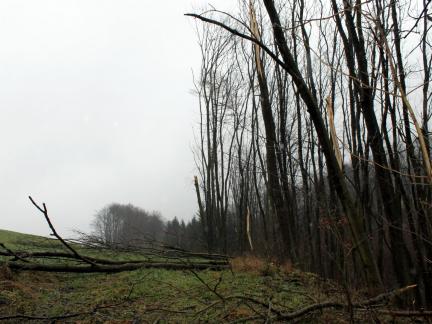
{"type": "Point", "coordinates": [44, 211]}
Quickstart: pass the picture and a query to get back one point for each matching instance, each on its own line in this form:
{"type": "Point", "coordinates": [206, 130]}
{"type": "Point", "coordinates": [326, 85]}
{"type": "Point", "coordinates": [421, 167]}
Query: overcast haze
{"type": "Point", "coordinates": [95, 107]}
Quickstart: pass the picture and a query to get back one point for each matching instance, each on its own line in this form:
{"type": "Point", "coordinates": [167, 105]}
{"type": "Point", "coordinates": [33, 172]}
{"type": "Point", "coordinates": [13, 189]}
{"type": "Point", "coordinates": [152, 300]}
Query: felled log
{"type": "Point", "coordinates": [113, 268]}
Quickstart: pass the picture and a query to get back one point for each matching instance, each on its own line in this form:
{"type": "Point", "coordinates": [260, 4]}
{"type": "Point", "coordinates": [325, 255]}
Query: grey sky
{"type": "Point", "coordinates": [95, 107]}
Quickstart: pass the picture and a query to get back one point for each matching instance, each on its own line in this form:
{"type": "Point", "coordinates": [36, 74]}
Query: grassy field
{"type": "Point", "coordinates": [158, 295]}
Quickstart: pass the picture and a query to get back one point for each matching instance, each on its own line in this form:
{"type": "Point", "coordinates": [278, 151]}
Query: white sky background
{"type": "Point", "coordinates": [95, 107]}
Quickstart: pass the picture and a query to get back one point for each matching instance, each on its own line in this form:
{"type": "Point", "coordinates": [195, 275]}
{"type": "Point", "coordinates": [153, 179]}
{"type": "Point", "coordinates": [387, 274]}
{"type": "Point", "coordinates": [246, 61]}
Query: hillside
{"type": "Point", "coordinates": [10, 237]}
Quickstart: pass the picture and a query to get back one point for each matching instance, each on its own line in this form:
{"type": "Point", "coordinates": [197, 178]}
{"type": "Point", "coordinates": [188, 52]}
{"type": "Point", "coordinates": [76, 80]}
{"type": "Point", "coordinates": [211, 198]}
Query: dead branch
{"type": "Point", "coordinates": [401, 313]}
{"type": "Point", "coordinates": [214, 289]}
{"type": "Point", "coordinates": [308, 310]}
{"type": "Point", "coordinates": [44, 211]}
{"type": "Point", "coordinates": [385, 297]}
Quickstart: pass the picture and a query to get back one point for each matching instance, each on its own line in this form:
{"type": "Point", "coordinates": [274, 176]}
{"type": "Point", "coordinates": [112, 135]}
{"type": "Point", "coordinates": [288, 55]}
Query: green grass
{"type": "Point", "coordinates": [32, 243]}
{"type": "Point", "coordinates": [150, 295]}
{"type": "Point", "coordinates": [147, 295]}
{"type": "Point", "coordinates": [28, 242]}
{"type": "Point", "coordinates": [17, 239]}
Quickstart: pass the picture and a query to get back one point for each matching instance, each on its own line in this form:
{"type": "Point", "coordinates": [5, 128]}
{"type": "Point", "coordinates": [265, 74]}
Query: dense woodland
{"type": "Point", "coordinates": [313, 143]}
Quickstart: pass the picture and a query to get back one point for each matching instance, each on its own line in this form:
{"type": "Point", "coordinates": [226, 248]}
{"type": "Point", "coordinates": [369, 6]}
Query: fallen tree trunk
{"type": "Point", "coordinates": [23, 255]}
{"type": "Point", "coordinates": [113, 268]}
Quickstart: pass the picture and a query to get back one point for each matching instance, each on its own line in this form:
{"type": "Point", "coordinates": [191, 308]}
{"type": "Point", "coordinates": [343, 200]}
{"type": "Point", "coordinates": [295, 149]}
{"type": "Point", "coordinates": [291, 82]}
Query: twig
{"type": "Point", "coordinates": [213, 290]}
{"type": "Point", "coordinates": [385, 296]}
{"type": "Point", "coordinates": [246, 319]}
{"type": "Point", "coordinates": [59, 317]}
{"type": "Point", "coordinates": [402, 313]}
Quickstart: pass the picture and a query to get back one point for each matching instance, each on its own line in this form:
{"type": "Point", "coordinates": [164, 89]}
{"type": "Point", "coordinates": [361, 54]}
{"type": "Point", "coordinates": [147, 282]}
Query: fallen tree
{"type": "Point", "coordinates": [24, 255]}
{"type": "Point", "coordinates": [162, 257]}
{"type": "Point", "coordinates": [112, 268]}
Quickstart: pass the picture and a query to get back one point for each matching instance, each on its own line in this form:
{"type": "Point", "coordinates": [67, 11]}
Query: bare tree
{"type": "Point", "coordinates": [124, 225]}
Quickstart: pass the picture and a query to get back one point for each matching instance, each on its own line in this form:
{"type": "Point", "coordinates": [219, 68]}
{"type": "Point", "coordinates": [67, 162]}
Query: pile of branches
{"type": "Point", "coordinates": [153, 256]}
{"type": "Point", "coordinates": [146, 246]}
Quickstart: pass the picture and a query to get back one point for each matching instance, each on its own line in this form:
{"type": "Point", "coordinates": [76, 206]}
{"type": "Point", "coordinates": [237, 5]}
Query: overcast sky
{"type": "Point", "coordinates": [95, 107]}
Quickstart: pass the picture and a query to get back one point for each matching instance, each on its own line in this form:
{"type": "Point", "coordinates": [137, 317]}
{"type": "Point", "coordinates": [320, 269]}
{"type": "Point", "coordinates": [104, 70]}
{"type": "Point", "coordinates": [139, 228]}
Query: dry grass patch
{"type": "Point", "coordinates": [249, 264]}
{"type": "Point", "coordinates": [5, 273]}
{"type": "Point", "coordinates": [260, 266]}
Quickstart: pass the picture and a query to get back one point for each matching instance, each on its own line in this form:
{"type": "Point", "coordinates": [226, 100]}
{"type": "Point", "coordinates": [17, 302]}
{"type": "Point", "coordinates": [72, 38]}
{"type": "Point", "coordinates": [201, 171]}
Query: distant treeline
{"type": "Point", "coordinates": [125, 225]}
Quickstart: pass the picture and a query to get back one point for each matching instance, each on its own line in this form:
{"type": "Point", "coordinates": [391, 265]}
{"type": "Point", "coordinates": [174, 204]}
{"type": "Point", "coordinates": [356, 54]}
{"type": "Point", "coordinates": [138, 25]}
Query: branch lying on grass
{"type": "Point", "coordinates": [402, 313]}
{"type": "Point", "coordinates": [47, 318]}
{"type": "Point", "coordinates": [214, 289]}
{"type": "Point", "coordinates": [385, 297]}
{"type": "Point", "coordinates": [279, 315]}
